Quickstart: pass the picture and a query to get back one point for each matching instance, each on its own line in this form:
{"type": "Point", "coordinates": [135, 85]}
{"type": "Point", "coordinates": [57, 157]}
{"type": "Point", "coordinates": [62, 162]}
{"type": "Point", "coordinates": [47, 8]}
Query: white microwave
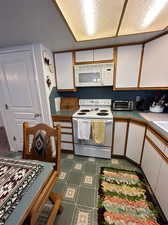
{"type": "Point", "coordinates": [99, 74]}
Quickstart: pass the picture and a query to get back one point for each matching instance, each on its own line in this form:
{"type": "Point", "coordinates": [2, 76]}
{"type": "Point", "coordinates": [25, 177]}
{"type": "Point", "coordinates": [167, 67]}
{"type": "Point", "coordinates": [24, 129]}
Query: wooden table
{"type": "Point", "coordinates": [31, 196]}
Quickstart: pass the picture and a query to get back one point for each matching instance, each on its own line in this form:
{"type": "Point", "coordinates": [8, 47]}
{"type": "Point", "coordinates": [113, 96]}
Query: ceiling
{"type": "Point", "coordinates": [32, 21]}
{"type": "Point", "coordinates": [95, 19]}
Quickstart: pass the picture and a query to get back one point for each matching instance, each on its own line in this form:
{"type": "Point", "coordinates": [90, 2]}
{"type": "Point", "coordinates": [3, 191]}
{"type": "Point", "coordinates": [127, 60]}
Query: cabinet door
{"type": "Point", "coordinates": [162, 187]}
{"type": "Point", "coordinates": [151, 162]}
{"type": "Point", "coordinates": [128, 64]}
{"type": "Point", "coordinates": [84, 56]}
{"type": "Point", "coordinates": [103, 54]}
{"type": "Point", "coordinates": [154, 66]}
{"type": "Point", "coordinates": [135, 141]}
{"type": "Point", "coordinates": [120, 129]}
{"type": "Point", "coordinates": [64, 70]}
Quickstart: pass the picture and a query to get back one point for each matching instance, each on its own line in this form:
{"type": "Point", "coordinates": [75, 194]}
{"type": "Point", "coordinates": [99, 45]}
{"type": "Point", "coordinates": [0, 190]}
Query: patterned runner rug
{"type": "Point", "coordinates": [15, 177]}
{"type": "Point", "coordinates": [125, 200]}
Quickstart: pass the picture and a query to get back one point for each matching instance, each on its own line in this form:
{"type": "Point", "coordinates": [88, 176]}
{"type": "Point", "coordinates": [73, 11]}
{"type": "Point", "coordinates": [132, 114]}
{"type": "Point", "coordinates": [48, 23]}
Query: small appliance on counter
{"type": "Point", "coordinates": [159, 104]}
{"type": "Point", "coordinates": [121, 105]}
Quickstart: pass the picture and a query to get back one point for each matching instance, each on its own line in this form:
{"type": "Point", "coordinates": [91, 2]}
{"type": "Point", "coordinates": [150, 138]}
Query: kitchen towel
{"type": "Point", "coordinates": [84, 127]}
{"type": "Point", "coordinates": [98, 131]}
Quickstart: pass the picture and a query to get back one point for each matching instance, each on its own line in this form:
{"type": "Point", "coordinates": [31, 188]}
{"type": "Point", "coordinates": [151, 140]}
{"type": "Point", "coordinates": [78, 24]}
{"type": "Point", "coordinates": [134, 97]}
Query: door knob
{"type": "Point", "coordinates": [37, 115]}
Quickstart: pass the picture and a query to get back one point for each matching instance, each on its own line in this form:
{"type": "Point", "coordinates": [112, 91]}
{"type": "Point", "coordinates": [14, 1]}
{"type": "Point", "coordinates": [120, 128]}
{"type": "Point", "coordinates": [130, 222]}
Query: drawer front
{"type": "Point", "coordinates": [66, 137]}
{"type": "Point", "coordinates": [66, 146]}
{"type": "Point", "coordinates": [66, 130]}
{"type": "Point", "coordinates": [63, 124]}
{"type": "Point", "coordinates": [156, 140]}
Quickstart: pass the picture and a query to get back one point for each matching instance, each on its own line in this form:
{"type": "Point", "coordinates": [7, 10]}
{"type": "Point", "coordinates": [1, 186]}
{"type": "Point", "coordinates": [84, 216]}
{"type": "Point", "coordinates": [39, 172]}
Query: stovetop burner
{"type": "Point", "coordinates": [103, 110]}
{"type": "Point", "coordinates": [102, 114]}
{"type": "Point", "coordinates": [85, 110]}
{"type": "Point", "coordinates": [81, 113]}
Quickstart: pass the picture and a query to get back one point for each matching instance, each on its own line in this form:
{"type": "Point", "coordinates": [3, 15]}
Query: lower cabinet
{"type": "Point", "coordinates": [135, 141]}
{"type": "Point", "coordinates": [162, 187]}
{"type": "Point", "coordinates": [66, 132]}
{"type": "Point", "coordinates": [119, 137]}
{"type": "Point", "coordinates": [151, 162]}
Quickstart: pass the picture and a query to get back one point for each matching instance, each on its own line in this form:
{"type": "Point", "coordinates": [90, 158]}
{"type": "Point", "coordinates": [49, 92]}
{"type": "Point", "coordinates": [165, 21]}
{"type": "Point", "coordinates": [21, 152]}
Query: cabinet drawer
{"type": "Point", "coordinates": [66, 146]}
{"type": "Point", "coordinates": [66, 130]}
{"type": "Point", "coordinates": [63, 124]}
{"type": "Point", "coordinates": [66, 137]}
{"type": "Point", "coordinates": [156, 140]}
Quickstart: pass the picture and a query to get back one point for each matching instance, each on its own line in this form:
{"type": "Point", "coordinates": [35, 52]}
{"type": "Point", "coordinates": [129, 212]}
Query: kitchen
{"type": "Point", "coordinates": [119, 80]}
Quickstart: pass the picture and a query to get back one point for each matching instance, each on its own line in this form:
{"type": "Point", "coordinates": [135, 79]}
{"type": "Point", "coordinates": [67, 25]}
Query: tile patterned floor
{"type": "Point", "coordinates": [78, 183]}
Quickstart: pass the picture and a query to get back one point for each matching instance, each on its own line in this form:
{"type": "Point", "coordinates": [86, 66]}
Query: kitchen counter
{"type": "Point", "coordinates": [134, 115]}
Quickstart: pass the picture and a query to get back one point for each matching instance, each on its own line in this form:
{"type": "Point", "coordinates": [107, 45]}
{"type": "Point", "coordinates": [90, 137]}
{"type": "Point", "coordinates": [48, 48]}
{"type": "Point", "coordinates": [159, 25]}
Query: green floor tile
{"type": "Point", "coordinates": [74, 178]}
{"type": "Point", "coordinates": [67, 215]}
{"type": "Point", "coordinates": [86, 197]}
{"type": "Point", "coordinates": [90, 168]}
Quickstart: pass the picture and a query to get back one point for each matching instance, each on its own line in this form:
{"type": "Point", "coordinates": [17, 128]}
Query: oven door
{"type": "Point", "coordinates": [108, 134]}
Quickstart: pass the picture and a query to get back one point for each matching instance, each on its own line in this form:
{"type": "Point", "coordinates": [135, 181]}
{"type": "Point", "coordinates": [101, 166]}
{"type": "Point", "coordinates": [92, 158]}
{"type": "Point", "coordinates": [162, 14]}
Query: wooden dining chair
{"type": "Point", "coordinates": [43, 139]}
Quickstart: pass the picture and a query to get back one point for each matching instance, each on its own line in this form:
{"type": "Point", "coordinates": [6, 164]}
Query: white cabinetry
{"type": "Point", "coordinates": [162, 187]}
{"type": "Point", "coordinates": [151, 162]}
{"type": "Point", "coordinates": [135, 141]}
{"type": "Point", "coordinates": [120, 130]}
{"type": "Point", "coordinates": [64, 71]}
{"type": "Point", "coordinates": [103, 54]}
{"type": "Point", "coordinates": [84, 56]}
{"type": "Point", "coordinates": [95, 55]}
{"type": "Point", "coordinates": [154, 67]}
{"type": "Point", "coordinates": [127, 69]}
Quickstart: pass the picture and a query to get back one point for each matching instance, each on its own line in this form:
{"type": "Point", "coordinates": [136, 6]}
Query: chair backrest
{"type": "Point", "coordinates": [46, 144]}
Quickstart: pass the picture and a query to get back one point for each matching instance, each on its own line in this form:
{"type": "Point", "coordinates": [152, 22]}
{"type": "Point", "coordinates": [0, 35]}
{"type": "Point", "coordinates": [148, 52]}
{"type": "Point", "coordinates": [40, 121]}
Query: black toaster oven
{"type": "Point", "coordinates": [123, 105]}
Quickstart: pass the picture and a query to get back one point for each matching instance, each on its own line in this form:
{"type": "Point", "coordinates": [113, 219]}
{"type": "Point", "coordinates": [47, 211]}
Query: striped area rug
{"type": "Point", "coordinates": [125, 200]}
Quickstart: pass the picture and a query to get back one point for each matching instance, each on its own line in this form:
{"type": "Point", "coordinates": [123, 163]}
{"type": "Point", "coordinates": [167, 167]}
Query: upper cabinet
{"type": "Point", "coordinates": [154, 67]}
{"type": "Point", "coordinates": [64, 71]}
{"type": "Point", "coordinates": [127, 67]}
{"type": "Point", "coordinates": [103, 54]}
{"type": "Point", "coordinates": [95, 55]}
{"type": "Point", "coordinates": [84, 56]}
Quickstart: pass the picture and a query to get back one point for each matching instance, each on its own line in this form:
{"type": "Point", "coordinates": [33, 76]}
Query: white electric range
{"type": "Point", "coordinates": [94, 109]}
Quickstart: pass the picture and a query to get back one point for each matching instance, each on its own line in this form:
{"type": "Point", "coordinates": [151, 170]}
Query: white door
{"type": "Point", "coordinates": [19, 95]}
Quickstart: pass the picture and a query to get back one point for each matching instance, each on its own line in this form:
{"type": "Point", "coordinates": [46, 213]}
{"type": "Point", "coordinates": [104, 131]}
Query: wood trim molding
{"type": "Point", "coordinates": [66, 133]}
{"type": "Point", "coordinates": [143, 146]}
{"type": "Point", "coordinates": [138, 122]}
{"type": "Point", "coordinates": [69, 142]}
{"type": "Point", "coordinates": [121, 17]}
{"type": "Point", "coordinates": [64, 90]}
{"type": "Point", "coordinates": [113, 130]}
{"type": "Point", "coordinates": [140, 66]}
{"type": "Point", "coordinates": [157, 135]}
{"type": "Point", "coordinates": [73, 63]}
{"type": "Point", "coordinates": [94, 62]}
{"type": "Point", "coordinates": [126, 138]}
{"type": "Point", "coordinates": [153, 88]}
{"type": "Point", "coordinates": [61, 118]}
{"type": "Point", "coordinates": [120, 120]}
{"type": "Point", "coordinates": [157, 149]}
{"type": "Point", "coordinates": [115, 54]}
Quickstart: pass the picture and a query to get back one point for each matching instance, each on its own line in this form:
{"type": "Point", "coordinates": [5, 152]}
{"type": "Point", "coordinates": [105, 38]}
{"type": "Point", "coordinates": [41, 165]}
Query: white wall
{"type": "Point", "coordinates": [1, 122]}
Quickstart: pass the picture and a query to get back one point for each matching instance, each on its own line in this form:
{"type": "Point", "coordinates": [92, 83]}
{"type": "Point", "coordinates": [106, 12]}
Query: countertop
{"type": "Point", "coordinates": [129, 115]}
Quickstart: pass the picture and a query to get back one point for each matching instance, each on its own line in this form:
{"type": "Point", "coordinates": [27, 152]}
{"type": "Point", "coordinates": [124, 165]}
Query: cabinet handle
{"type": "Point", "coordinates": [37, 115]}
{"type": "Point", "coordinates": [14, 138]}
{"type": "Point", "coordinates": [6, 107]}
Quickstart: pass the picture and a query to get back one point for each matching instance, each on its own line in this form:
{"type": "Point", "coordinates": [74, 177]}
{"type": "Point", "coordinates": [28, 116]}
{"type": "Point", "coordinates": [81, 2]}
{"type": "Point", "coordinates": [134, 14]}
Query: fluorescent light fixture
{"type": "Point", "coordinates": [153, 12]}
{"type": "Point", "coordinates": [89, 16]}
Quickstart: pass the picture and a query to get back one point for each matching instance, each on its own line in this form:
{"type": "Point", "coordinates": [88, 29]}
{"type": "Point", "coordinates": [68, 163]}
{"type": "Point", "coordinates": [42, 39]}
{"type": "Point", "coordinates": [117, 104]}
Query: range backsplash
{"type": "Point", "coordinates": [104, 92]}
